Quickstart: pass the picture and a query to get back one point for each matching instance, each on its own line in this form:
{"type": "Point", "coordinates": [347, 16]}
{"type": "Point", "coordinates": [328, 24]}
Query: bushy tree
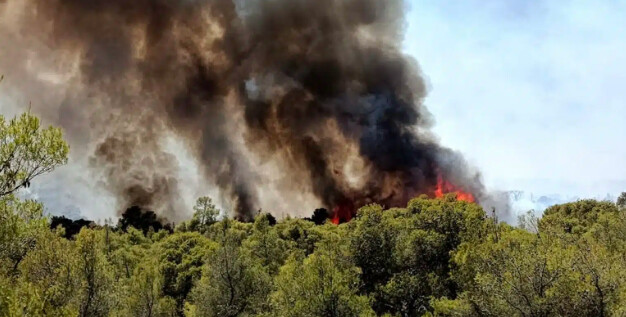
{"type": "Point", "coordinates": [265, 245]}
{"type": "Point", "coordinates": [145, 297]}
{"type": "Point", "coordinates": [27, 151]}
{"type": "Point", "coordinates": [233, 283]}
{"type": "Point", "coordinates": [20, 224]}
{"type": "Point", "coordinates": [51, 268]}
{"type": "Point", "coordinates": [373, 242]}
{"type": "Point", "coordinates": [406, 253]}
{"type": "Point", "coordinates": [576, 217]}
{"type": "Point", "coordinates": [326, 283]}
{"type": "Point", "coordinates": [205, 214]}
{"type": "Point", "coordinates": [180, 260]}
{"type": "Point", "coordinates": [571, 266]}
{"type": "Point", "coordinates": [621, 201]}
{"type": "Point", "coordinates": [95, 275]}
{"type": "Point", "coordinates": [301, 234]}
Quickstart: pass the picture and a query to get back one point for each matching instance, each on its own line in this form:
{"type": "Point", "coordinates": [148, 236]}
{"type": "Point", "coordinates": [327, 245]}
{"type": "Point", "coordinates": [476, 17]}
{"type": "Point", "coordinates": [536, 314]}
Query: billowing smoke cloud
{"type": "Point", "coordinates": [270, 97]}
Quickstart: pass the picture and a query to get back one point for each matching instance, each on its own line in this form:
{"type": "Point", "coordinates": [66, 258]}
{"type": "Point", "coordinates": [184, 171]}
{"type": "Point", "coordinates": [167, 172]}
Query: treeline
{"type": "Point", "coordinates": [439, 257]}
{"type": "Point", "coordinates": [436, 257]}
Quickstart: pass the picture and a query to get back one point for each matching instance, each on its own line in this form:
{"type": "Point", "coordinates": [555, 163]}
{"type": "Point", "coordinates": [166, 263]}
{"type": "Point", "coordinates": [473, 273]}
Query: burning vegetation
{"type": "Point", "coordinates": [444, 187]}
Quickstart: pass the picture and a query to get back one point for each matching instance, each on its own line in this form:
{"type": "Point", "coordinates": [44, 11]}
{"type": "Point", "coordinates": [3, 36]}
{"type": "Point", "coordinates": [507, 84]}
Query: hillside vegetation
{"type": "Point", "coordinates": [436, 257]}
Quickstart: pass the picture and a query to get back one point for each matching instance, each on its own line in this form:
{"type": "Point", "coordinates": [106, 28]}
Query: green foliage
{"type": "Point", "coordinates": [145, 297]}
{"type": "Point", "coordinates": [373, 241]}
{"type": "Point", "coordinates": [299, 233]}
{"type": "Point", "coordinates": [20, 223]}
{"type": "Point", "coordinates": [180, 260]}
{"type": "Point", "coordinates": [405, 254]}
{"type": "Point", "coordinates": [436, 257]}
{"type": "Point", "coordinates": [95, 294]}
{"type": "Point", "coordinates": [572, 266]}
{"type": "Point", "coordinates": [265, 245]}
{"type": "Point", "coordinates": [51, 269]}
{"type": "Point", "coordinates": [322, 284]}
{"type": "Point", "coordinates": [27, 151]}
{"type": "Point", "coordinates": [233, 283]}
{"type": "Point", "coordinates": [621, 201]}
{"type": "Point", "coordinates": [575, 218]}
{"type": "Point", "coordinates": [205, 214]}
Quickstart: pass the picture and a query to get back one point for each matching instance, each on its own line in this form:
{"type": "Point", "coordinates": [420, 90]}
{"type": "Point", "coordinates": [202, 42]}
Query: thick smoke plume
{"type": "Point", "coordinates": [270, 97]}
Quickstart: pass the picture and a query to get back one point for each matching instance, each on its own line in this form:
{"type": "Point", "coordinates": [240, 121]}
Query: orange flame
{"type": "Point", "coordinates": [444, 187]}
{"type": "Point", "coordinates": [342, 213]}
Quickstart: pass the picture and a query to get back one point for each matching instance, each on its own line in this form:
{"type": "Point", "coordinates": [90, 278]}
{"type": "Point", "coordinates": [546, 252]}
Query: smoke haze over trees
{"type": "Point", "coordinates": [432, 257]}
{"type": "Point", "coordinates": [312, 99]}
{"type": "Point", "coordinates": [285, 107]}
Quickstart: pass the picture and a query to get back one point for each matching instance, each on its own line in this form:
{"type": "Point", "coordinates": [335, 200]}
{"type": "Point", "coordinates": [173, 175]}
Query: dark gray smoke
{"type": "Point", "coordinates": [319, 89]}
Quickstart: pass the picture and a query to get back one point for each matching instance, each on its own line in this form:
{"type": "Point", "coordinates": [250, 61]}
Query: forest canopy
{"type": "Point", "coordinates": [434, 257]}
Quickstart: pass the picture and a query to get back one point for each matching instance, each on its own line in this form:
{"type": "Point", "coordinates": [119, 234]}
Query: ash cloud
{"type": "Point", "coordinates": [301, 96]}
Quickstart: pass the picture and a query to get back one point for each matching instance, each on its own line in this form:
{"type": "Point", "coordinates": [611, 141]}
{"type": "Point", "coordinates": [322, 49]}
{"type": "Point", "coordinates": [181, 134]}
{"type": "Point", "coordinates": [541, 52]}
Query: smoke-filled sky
{"type": "Point", "coordinates": [532, 92]}
{"type": "Point", "coordinates": [285, 105]}
{"type": "Point", "coordinates": [265, 106]}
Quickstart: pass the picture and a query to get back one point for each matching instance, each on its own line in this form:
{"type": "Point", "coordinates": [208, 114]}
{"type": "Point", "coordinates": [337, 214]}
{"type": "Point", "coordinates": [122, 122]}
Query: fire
{"type": "Point", "coordinates": [444, 187]}
{"type": "Point", "coordinates": [343, 212]}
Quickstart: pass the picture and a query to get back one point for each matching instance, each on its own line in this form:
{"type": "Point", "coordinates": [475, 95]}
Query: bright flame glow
{"type": "Point", "coordinates": [342, 213]}
{"type": "Point", "coordinates": [444, 187]}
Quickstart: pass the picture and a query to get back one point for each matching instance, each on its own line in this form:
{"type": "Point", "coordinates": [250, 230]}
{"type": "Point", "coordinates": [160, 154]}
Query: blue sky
{"type": "Point", "coordinates": [533, 92]}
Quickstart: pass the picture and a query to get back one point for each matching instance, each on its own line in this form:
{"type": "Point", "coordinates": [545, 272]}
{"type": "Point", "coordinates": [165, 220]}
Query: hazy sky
{"type": "Point", "coordinates": [533, 92]}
